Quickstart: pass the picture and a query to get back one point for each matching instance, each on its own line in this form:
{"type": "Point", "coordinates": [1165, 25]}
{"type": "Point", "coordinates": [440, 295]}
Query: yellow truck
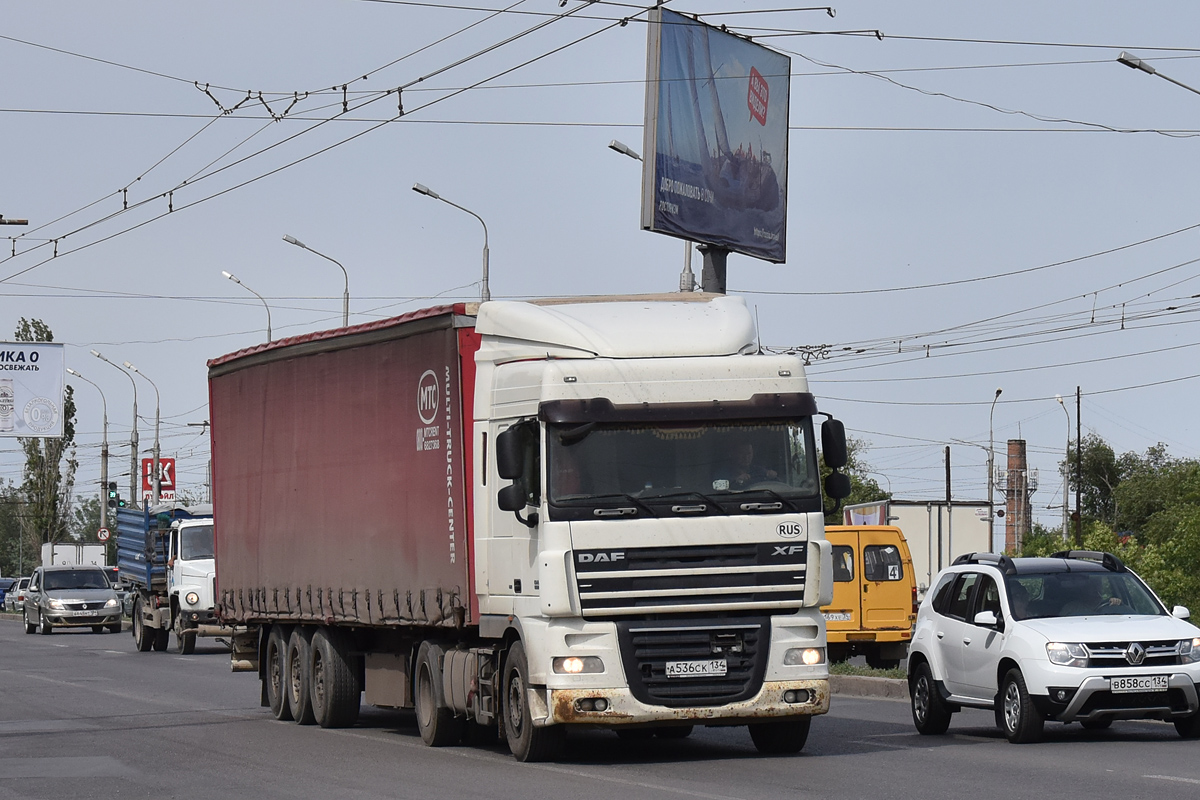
{"type": "Point", "coordinates": [874, 594]}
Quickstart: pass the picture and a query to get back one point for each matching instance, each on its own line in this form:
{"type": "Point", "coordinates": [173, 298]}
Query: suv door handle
{"type": "Point", "coordinates": [966, 640]}
{"type": "Point", "coordinates": [941, 634]}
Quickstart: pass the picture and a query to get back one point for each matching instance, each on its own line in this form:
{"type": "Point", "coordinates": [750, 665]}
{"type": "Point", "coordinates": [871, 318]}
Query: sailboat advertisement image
{"type": "Point", "coordinates": [716, 138]}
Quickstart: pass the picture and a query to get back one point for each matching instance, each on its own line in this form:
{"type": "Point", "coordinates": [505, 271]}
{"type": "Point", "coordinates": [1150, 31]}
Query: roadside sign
{"type": "Point", "coordinates": [102, 534]}
{"type": "Point", "coordinates": [166, 477]}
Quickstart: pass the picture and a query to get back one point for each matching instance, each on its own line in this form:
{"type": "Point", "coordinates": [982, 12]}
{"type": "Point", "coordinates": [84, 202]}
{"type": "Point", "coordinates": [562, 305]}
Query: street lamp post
{"type": "Point", "coordinates": [103, 451]}
{"type": "Point", "coordinates": [155, 478]}
{"type": "Point", "coordinates": [345, 275]}
{"type": "Point", "coordinates": [1130, 60]}
{"type": "Point", "coordinates": [992, 471]}
{"type": "Point", "coordinates": [133, 436]}
{"type": "Point", "coordinates": [687, 278]}
{"type": "Point", "coordinates": [1066, 470]}
{"type": "Point", "coordinates": [233, 278]}
{"type": "Point", "coordinates": [485, 293]}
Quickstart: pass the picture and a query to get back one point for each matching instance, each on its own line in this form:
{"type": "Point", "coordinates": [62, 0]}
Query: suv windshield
{"type": "Point", "coordinates": [74, 579]}
{"type": "Point", "coordinates": [196, 541]}
{"type": "Point", "coordinates": [657, 467]}
{"type": "Point", "coordinates": [1077, 594]}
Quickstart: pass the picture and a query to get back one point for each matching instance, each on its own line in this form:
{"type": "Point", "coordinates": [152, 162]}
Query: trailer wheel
{"type": "Point", "coordinates": [298, 656]}
{"type": "Point", "coordinates": [142, 638]}
{"type": "Point", "coordinates": [333, 681]}
{"type": "Point", "coordinates": [526, 742]}
{"type": "Point", "coordinates": [780, 738]}
{"type": "Point", "coordinates": [435, 721]}
{"type": "Point", "coordinates": [162, 638]}
{"type": "Point", "coordinates": [275, 675]}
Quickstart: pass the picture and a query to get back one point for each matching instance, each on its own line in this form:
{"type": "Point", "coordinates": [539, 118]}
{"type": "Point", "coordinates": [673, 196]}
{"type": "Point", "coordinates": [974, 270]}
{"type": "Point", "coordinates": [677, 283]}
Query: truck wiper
{"type": "Point", "coordinates": [686, 509]}
{"type": "Point", "coordinates": [780, 501]}
{"type": "Point", "coordinates": [620, 496]}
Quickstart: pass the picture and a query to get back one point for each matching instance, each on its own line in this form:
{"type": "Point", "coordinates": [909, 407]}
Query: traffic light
{"type": "Point", "coordinates": [114, 499]}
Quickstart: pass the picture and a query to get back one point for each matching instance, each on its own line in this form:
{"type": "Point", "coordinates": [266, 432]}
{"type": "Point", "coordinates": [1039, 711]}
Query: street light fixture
{"type": "Point", "coordinates": [133, 435]}
{"type": "Point", "coordinates": [103, 450]}
{"type": "Point", "coordinates": [687, 278]}
{"type": "Point", "coordinates": [992, 471]}
{"type": "Point", "coordinates": [233, 278]}
{"type": "Point", "coordinates": [485, 294]}
{"type": "Point", "coordinates": [155, 478]}
{"type": "Point", "coordinates": [1066, 469]}
{"type": "Point", "coordinates": [345, 275]}
{"type": "Point", "coordinates": [1130, 60]}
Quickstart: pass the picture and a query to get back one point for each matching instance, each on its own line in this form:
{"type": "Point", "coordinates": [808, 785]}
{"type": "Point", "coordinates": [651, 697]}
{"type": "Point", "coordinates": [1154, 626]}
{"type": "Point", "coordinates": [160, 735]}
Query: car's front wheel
{"type": "Point", "coordinates": [930, 714]}
{"type": "Point", "coordinates": [1022, 722]}
{"type": "Point", "coordinates": [44, 627]}
{"type": "Point", "coordinates": [1189, 727]}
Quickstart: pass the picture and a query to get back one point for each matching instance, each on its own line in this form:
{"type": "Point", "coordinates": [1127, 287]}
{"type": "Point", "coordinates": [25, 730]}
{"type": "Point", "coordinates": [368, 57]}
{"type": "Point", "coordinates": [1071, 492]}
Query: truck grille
{"type": "Point", "coordinates": [697, 579]}
{"type": "Point", "coordinates": [646, 647]}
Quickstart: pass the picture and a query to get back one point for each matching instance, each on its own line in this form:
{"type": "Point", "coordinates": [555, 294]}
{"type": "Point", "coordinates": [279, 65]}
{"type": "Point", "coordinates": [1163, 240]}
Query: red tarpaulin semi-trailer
{"type": "Point", "coordinates": [341, 485]}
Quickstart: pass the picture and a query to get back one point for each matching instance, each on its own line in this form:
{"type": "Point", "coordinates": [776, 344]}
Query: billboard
{"type": "Point", "coordinates": [31, 389]}
{"type": "Point", "coordinates": [716, 138]}
{"type": "Point", "coordinates": [166, 479]}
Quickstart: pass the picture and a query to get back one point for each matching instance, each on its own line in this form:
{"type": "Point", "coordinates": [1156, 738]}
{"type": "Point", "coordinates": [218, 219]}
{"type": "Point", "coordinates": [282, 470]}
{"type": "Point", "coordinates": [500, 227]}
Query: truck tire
{"type": "Point", "coordinates": [275, 674]}
{"type": "Point", "coordinates": [143, 639]}
{"type": "Point", "coordinates": [780, 738]}
{"type": "Point", "coordinates": [333, 680]}
{"type": "Point", "coordinates": [185, 642]}
{"type": "Point", "coordinates": [297, 684]}
{"type": "Point", "coordinates": [435, 721]}
{"type": "Point", "coordinates": [526, 742]}
{"type": "Point", "coordinates": [162, 638]}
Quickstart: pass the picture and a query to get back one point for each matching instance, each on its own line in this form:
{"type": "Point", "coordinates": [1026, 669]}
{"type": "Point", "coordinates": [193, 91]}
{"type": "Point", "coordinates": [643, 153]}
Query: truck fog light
{"type": "Point", "coordinates": [796, 696]}
{"type": "Point", "coordinates": [591, 704]}
{"type": "Point", "coordinates": [807, 656]}
{"type": "Point", "coordinates": [601, 704]}
{"type": "Point", "coordinates": [576, 665]}
{"type": "Point", "coordinates": [192, 598]}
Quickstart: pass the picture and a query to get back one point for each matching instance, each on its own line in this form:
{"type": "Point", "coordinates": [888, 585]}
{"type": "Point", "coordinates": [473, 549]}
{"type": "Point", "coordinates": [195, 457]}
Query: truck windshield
{"type": "Point", "coordinates": [196, 541]}
{"type": "Point", "coordinates": [662, 469]}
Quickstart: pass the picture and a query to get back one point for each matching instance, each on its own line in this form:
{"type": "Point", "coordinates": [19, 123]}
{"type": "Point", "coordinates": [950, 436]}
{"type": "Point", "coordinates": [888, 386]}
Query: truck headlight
{"type": "Point", "coordinates": [192, 598]}
{"type": "Point", "coordinates": [1189, 651]}
{"type": "Point", "coordinates": [577, 665]}
{"type": "Point", "coordinates": [804, 656]}
{"type": "Point", "coordinates": [112, 603]}
{"type": "Point", "coordinates": [1067, 654]}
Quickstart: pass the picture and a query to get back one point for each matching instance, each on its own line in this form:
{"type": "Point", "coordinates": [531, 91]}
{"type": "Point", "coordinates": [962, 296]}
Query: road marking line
{"type": "Point", "coordinates": [1172, 778]}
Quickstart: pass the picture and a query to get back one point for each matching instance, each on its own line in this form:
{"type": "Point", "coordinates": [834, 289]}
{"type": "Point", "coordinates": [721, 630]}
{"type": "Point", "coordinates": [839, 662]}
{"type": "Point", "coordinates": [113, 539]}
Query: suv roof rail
{"type": "Point", "coordinates": [1110, 562]}
{"type": "Point", "coordinates": [999, 560]}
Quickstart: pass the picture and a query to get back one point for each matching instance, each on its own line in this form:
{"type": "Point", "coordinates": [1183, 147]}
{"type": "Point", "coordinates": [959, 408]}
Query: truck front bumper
{"type": "Point", "coordinates": [569, 706]}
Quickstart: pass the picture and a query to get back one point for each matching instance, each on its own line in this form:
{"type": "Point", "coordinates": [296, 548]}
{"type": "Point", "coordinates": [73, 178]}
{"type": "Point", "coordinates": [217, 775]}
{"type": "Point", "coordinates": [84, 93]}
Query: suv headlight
{"type": "Point", "coordinates": [1189, 651]}
{"type": "Point", "coordinates": [1067, 654]}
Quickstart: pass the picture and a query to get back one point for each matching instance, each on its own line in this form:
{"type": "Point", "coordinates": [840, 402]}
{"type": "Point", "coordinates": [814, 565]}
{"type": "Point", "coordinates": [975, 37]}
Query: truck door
{"type": "Point", "coordinates": [886, 582]}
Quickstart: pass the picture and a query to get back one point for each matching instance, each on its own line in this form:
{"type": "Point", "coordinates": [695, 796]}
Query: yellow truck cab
{"type": "Point", "coordinates": [874, 594]}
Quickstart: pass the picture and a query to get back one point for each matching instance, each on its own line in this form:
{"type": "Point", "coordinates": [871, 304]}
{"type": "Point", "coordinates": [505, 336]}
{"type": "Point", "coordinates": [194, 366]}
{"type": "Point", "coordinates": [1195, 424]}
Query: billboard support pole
{"type": "Point", "coordinates": [713, 277]}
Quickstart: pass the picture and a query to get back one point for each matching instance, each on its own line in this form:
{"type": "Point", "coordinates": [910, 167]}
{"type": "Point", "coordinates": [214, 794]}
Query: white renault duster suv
{"type": "Point", "coordinates": [1076, 637]}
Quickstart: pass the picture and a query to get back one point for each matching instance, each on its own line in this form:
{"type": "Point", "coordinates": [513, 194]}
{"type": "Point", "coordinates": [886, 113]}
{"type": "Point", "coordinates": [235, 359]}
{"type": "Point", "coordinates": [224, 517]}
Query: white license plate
{"type": "Point", "coordinates": [837, 616]}
{"type": "Point", "coordinates": [1139, 683]}
{"type": "Point", "coordinates": [697, 669]}
{"type": "Point", "coordinates": [83, 613]}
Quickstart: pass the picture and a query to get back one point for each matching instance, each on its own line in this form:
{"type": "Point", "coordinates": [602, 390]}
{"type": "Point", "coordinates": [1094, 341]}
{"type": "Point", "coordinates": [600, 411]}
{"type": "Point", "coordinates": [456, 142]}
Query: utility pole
{"type": "Point", "coordinates": [1078, 469]}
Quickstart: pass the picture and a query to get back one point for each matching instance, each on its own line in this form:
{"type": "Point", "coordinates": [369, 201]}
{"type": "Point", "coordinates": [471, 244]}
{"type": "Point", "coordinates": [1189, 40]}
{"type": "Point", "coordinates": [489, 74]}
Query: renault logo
{"type": "Point", "coordinates": [1135, 654]}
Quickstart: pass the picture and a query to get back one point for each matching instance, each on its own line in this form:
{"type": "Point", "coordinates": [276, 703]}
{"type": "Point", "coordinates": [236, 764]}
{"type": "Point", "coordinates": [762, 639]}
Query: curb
{"type": "Point", "coordinates": [864, 686]}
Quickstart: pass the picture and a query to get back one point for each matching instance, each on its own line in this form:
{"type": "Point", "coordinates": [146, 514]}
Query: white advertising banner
{"type": "Point", "coordinates": [31, 389]}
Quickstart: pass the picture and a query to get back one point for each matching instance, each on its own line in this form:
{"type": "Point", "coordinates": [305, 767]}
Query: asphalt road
{"type": "Point", "coordinates": [85, 715]}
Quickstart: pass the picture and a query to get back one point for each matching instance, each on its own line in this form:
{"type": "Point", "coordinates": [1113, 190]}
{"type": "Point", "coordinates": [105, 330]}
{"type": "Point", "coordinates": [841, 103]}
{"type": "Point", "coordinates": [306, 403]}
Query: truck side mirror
{"type": "Point", "coordinates": [511, 497]}
{"type": "Point", "coordinates": [510, 453]}
{"type": "Point", "coordinates": [837, 486]}
{"type": "Point", "coordinates": [833, 444]}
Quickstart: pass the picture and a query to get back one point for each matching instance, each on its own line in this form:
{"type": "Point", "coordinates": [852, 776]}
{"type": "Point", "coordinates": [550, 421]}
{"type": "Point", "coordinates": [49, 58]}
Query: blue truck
{"type": "Point", "coordinates": [165, 556]}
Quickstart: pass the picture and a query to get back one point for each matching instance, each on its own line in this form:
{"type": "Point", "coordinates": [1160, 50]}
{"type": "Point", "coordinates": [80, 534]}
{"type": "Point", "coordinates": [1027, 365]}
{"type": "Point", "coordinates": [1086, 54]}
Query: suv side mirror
{"type": "Point", "coordinates": [987, 619]}
{"type": "Point", "coordinates": [1181, 612]}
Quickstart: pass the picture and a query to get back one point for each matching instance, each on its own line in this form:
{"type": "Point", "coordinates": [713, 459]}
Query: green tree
{"type": "Point", "coordinates": [49, 477]}
{"type": "Point", "coordinates": [863, 488]}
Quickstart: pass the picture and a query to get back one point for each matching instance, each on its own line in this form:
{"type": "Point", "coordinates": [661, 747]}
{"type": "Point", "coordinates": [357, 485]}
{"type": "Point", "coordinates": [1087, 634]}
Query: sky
{"type": "Point", "coordinates": [980, 197]}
